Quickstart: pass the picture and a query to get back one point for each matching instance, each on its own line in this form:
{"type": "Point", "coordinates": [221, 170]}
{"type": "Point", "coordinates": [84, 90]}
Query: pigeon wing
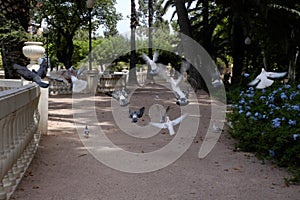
{"type": "Point", "coordinates": [140, 112]}
{"type": "Point", "coordinates": [178, 120]}
{"type": "Point", "coordinates": [155, 56]}
{"type": "Point", "coordinates": [42, 72]}
{"type": "Point", "coordinates": [146, 58]}
{"type": "Point", "coordinates": [275, 74]}
{"type": "Point", "coordinates": [159, 125]}
{"type": "Point", "coordinates": [24, 72]}
{"type": "Point", "coordinates": [81, 70]}
{"type": "Point", "coordinates": [78, 85]}
{"type": "Point", "coordinates": [264, 82]}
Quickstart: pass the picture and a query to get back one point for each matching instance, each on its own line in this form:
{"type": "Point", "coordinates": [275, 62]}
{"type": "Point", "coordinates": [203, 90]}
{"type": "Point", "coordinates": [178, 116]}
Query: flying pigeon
{"type": "Point", "coordinates": [70, 76]}
{"type": "Point", "coordinates": [35, 76]}
{"type": "Point", "coordinates": [169, 124]}
{"type": "Point", "coordinates": [263, 81]}
{"type": "Point", "coordinates": [136, 114]}
{"type": "Point", "coordinates": [121, 96]}
{"type": "Point", "coordinates": [182, 98]}
{"type": "Point", "coordinates": [216, 79]}
{"type": "Point", "coordinates": [163, 114]}
{"type": "Point", "coordinates": [152, 63]}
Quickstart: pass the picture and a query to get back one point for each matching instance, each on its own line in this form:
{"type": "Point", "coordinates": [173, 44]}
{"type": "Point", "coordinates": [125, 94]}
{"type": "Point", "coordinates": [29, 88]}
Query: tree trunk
{"type": "Point", "coordinates": [150, 38]}
{"type": "Point", "coordinates": [185, 28]}
{"type": "Point", "coordinates": [238, 47]}
{"type": "Point", "coordinates": [132, 79]}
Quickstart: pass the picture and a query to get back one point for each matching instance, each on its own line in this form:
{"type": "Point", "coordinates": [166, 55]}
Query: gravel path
{"type": "Point", "coordinates": [64, 170]}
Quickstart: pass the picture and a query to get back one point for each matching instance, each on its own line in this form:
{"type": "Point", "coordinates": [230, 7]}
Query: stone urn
{"type": "Point", "coordinates": [33, 51]}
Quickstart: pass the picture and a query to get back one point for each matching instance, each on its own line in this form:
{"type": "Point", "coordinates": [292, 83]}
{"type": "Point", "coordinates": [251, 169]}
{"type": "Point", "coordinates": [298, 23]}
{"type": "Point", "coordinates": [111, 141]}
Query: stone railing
{"type": "Point", "coordinates": [19, 120]}
{"type": "Point", "coordinates": [6, 84]}
{"type": "Point", "coordinates": [108, 83]}
{"type": "Point", "coordinates": [103, 83]}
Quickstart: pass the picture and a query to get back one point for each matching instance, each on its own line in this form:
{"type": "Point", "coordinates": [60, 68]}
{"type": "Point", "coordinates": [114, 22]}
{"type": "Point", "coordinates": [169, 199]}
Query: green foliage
{"type": "Point", "coordinates": [267, 122]}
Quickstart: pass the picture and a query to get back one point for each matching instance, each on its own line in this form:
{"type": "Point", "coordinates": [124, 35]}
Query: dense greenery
{"type": "Point", "coordinates": [267, 122]}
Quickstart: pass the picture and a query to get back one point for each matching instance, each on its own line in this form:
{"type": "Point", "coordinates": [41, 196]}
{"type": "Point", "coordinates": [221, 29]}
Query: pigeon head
{"type": "Point", "coordinates": [136, 114]}
{"type": "Point", "coordinates": [182, 101]}
{"type": "Point", "coordinates": [154, 71]}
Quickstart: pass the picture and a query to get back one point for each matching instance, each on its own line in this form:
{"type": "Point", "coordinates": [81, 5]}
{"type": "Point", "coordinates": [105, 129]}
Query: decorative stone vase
{"type": "Point", "coordinates": [33, 51]}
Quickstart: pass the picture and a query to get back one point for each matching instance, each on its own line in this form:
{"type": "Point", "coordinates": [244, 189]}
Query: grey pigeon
{"type": "Point", "coordinates": [70, 76]}
{"type": "Point", "coordinates": [35, 76]}
{"type": "Point", "coordinates": [121, 96]}
{"type": "Point", "coordinates": [152, 63]}
{"type": "Point", "coordinates": [136, 114]}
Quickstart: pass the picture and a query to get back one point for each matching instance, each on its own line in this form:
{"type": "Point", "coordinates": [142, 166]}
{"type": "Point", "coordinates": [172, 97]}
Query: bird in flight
{"type": "Point", "coordinates": [181, 96]}
{"type": "Point", "coordinates": [134, 115]}
{"type": "Point", "coordinates": [152, 63]}
{"type": "Point", "coordinates": [121, 96]}
{"type": "Point", "coordinates": [70, 76]}
{"type": "Point", "coordinates": [163, 113]}
{"type": "Point", "coordinates": [168, 124]}
{"type": "Point", "coordinates": [35, 76]}
{"type": "Point", "coordinates": [263, 79]}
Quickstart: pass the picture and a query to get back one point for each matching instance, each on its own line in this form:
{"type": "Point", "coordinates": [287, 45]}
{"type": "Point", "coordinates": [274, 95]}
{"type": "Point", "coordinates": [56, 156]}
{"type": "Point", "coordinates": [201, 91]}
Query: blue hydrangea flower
{"type": "Point", "coordinates": [262, 97]}
{"type": "Point", "coordinates": [296, 107]}
{"type": "Point", "coordinates": [246, 75]}
{"type": "Point", "coordinates": [287, 86]}
{"type": "Point", "coordinates": [241, 111]}
{"type": "Point", "coordinates": [298, 86]}
{"type": "Point", "coordinates": [242, 101]}
{"type": "Point", "coordinates": [248, 114]}
{"type": "Point", "coordinates": [292, 122]}
{"type": "Point", "coordinates": [283, 96]}
{"type": "Point", "coordinates": [293, 94]}
{"type": "Point", "coordinates": [295, 136]}
{"type": "Point", "coordinates": [272, 152]}
{"type": "Point", "coordinates": [276, 122]}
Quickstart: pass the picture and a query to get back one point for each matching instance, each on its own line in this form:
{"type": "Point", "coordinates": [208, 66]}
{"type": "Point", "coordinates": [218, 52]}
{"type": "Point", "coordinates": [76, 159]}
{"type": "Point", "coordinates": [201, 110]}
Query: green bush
{"type": "Point", "coordinates": [267, 122]}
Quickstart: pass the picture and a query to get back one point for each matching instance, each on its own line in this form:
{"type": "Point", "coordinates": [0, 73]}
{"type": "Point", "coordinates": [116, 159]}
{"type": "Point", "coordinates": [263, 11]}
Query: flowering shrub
{"type": "Point", "coordinates": [267, 122]}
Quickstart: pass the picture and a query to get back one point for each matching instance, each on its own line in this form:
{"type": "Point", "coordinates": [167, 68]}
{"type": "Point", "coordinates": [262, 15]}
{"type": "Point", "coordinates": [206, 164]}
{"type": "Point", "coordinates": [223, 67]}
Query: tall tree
{"type": "Point", "coordinates": [14, 22]}
{"type": "Point", "coordinates": [66, 17]}
{"type": "Point", "coordinates": [132, 79]}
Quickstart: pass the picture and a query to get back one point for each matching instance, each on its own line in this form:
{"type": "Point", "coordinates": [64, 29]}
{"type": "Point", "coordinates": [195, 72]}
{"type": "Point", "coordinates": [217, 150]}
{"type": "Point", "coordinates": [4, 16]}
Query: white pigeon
{"type": "Point", "coordinates": [182, 98]}
{"type": "Point", "coordinates": [152, 63]}
{"type": "Point", "coordinates": [77, 84]}
{"type": "Point", "coordinates": [263, 81]}
{"type": "Point", "coordinates": [169, 124]}
{"type": "Point", "coordinates": [216, 128]}
{"type": "Point", "coordinates": [163, 114]}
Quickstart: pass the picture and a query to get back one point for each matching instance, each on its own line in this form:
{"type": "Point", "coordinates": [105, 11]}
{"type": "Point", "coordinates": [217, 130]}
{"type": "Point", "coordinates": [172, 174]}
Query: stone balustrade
{"type": "Point", "coordinates": [19, 120]}
{"type": "Point", "coordinates": [103, 83]}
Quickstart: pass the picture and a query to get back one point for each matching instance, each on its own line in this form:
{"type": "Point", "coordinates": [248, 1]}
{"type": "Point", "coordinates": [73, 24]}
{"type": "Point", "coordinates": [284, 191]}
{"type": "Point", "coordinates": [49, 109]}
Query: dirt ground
{"type": "Point", "coordinates": [64, 169]}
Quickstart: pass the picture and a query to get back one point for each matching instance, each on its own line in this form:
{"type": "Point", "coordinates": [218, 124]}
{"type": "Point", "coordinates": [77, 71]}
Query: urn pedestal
{"type": "Point", "coordinates": [33, 51]}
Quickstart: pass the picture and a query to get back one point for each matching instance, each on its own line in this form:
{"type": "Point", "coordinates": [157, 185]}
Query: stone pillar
{"type": "Point", "coordinates": [43, 110]}
{"type": "Point", "coordinates": [92, 81]}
